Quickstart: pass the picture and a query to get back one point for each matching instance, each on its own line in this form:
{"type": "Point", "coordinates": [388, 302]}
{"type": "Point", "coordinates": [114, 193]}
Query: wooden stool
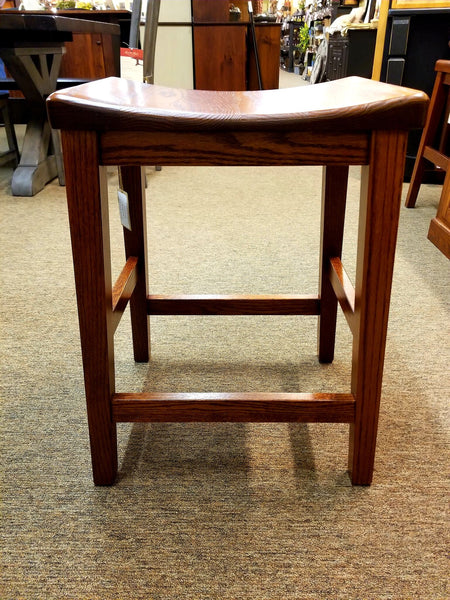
{"type": "Point", "coordinates": [434, 148]}
{"type": "Point", "coordinates": [346, 122]}
{"type": "Point", "coordinates": [12, 154]}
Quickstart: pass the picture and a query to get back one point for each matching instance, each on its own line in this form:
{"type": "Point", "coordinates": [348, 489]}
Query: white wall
{"type": "Point", "coordinates": [175, 10]}
{"type": "Point", "coordinates": [173, 56]}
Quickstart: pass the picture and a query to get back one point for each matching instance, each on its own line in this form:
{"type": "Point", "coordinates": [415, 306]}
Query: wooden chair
{"type": "Point", "coordinates": [434, 149]}
{"type": "Point", "coordinates": [12, 154]}
{"type": "Point", "coordinates": [351, 121]}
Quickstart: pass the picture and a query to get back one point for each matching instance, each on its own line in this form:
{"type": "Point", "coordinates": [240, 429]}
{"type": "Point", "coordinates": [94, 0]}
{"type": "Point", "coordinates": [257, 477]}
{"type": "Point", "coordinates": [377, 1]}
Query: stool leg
{"type": "Point", "coordinates": [86, 189]}
{"type": "Point", "coordinates": [133, 182]}
{"type": "Point", "coordinates": [439, 231]}
{"type": "Point", "coordinates": [434, 119]}
{"type": "Point", "coordinates": [334, 195]}
{"type": "Point", "coordinates": [381, 188]}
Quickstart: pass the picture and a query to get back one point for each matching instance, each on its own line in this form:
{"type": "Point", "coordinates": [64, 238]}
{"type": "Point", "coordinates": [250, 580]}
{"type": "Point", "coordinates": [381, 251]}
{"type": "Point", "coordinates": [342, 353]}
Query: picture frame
{"type": "Point", "coordinates": [399, 4]}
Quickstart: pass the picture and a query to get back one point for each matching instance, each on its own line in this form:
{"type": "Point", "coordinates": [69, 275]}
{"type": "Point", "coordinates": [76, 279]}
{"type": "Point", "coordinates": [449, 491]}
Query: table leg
{"type": "Point", "coordinates": [37, 79]}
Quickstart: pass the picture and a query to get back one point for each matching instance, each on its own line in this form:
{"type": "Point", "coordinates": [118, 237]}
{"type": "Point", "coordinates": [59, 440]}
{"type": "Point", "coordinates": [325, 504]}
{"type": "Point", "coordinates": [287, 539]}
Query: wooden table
{"type": "Point", "coordinates": [116, 17]}
{"type": "Point", "coordinates": [32, 47]}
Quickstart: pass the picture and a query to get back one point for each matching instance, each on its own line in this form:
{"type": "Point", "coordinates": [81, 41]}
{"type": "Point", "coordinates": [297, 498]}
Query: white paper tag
{"type": "Point", "coordinates": [124, 209]}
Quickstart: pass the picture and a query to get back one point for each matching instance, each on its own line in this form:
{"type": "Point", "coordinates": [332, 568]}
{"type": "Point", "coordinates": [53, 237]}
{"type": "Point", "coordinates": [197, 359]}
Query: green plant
{"type": "Point", "coordinates": [303, 38]}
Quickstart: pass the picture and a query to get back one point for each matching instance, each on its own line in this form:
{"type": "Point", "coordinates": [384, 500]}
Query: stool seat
{"type": "Point", "coordinates": [129, 124]}
{"type": "Point", "coordinates": [342, 105]}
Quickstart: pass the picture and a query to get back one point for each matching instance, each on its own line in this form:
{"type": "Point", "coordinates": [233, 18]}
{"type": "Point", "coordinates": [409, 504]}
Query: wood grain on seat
{"type": "Point", "coordinates": [347, 105]}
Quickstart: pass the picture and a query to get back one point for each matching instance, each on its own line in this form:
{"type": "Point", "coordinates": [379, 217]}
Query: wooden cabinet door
{"type": "Point", "coordinates": [210, 10]}
{"type": "Point", "coordinates": [220, 57]}
{"type": "Point", "coordinates": [268, 40]}
{"type": "Point", "coordinates": [89, 56]}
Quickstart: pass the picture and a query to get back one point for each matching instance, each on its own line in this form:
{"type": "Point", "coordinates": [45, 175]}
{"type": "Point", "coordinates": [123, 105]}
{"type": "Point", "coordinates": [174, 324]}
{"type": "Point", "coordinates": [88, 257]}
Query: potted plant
{"type": "Point", "coordinates": [301, 47]}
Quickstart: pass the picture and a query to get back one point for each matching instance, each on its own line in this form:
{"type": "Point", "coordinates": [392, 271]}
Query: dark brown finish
{"type": "Point", "coordinates": [205, 10]}
{"type": "Point", "coordinates": [91, 56]}
{"type": "Point", "coordinates": [435, 133]}
{"type": "Point", "coordinates": [347, 106]}
{"type": "Point", "coordinates": [334, 195]}
{"type": "Point", "coordinates": [223, 50]}
{"type": "Point", "coordinates": [219, 58]}
{"type": "Point", "coordinates": [19, 27]}
{"type": "Point", "coordinates": [233, 305]}
{"type": "Point", "coordinates": [343, 289]}
{"type": "Point", "coordinates": [122, 18]}
{"type": "Point", "coordinates": [439, 231]}
{"type": "Point", "coordinates": [381, 187]}
{"type": "Point", "coordinates": [234, 408]}
{"type": "Point", "coordinates": [434, 148]}
{"type": "Point", "coordinates": [360, 122]}
{"type": "Point", "coordinates": [123, 289]}
{"type": "Point", "coordinates": [285, 147]}
{"type": "Point", "coordinates": [224, 56]}
{"type": "Point", "coordinates": [133, 180]}
{"type": "Point", "coordinates": [89, 228]}
{"type": "Point", "coordinates": [268, 40]}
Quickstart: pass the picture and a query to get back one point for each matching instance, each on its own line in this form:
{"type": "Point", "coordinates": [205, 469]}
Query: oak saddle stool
{"type": "Point", "coordinates": [435, 148]}
{"type": "Point", "coordinates": [346, 122]}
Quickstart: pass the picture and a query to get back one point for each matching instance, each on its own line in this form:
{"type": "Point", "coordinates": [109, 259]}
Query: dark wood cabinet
{"type": "Point", "coordinates": [415, 38]}
{"type": "Point", "coordinates": [351, 54]}
{"type": "Point", "coordinates": [210, 10]}
{"type": "Point", "coordinates": [268, 40]}
{"type": "Point", "coordinates": [220, 57]}
{"type": "Point", "coordinates": [91, 56]}
{"type": "Point", "coordinates": [223, 50]}
{"type": "Point", "coordinates": [337, 57]}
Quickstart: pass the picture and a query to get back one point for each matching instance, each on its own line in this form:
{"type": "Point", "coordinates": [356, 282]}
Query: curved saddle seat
{"type": "Point", "coordinates": [346, 122]}
{"type": "Point", "coordinates": [174, 127]}
{"type": "Point", "coordinates": [342, 105]}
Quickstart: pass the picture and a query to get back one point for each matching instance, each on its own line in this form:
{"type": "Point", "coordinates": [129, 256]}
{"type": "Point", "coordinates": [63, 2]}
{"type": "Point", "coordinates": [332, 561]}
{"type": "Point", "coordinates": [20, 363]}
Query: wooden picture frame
{"type": "Point", "coordinates": [399, 4]}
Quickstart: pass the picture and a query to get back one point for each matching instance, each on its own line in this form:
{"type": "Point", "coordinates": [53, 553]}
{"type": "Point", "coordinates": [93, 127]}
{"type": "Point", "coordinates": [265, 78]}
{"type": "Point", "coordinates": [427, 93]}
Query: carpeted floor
{"type": "Point", "coordinates": [220, 511]}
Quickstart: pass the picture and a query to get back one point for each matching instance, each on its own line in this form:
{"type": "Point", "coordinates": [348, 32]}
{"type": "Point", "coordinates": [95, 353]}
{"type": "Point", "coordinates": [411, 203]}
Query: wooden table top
{"type": "Point", "coordinates": [23, 27]}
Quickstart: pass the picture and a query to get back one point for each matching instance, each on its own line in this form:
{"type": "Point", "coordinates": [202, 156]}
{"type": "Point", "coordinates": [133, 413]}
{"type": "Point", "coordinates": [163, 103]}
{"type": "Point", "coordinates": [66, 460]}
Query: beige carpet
{"type": "Point", "coordinates": [220, 511]}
